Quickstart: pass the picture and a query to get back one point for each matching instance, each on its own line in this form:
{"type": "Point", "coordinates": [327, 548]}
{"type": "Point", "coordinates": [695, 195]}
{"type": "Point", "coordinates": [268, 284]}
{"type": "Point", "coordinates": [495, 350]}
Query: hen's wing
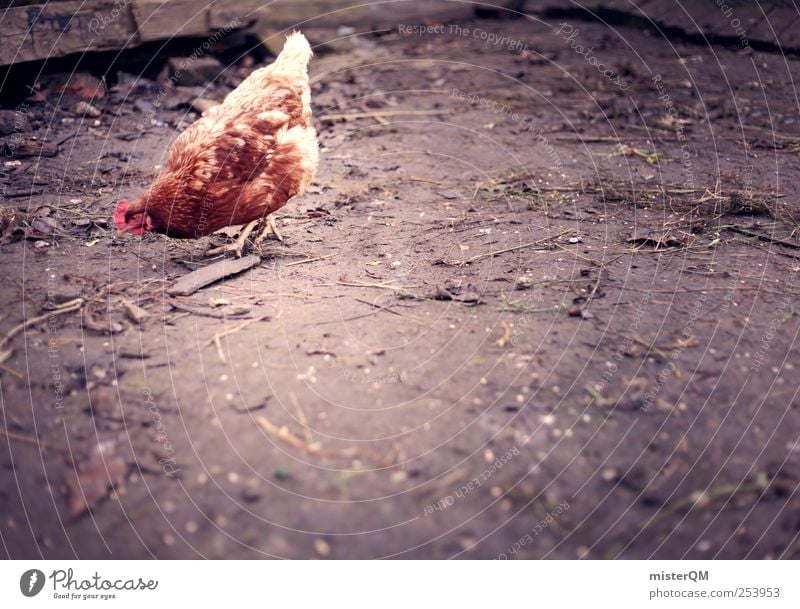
{"type": "Point", "coordinates": [237, 168]}
{"type": "Point", "coordinates": [289, 170]}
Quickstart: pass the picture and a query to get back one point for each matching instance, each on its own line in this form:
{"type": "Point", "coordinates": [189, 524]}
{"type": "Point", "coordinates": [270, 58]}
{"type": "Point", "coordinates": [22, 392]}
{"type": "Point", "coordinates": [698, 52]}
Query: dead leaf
{"type": "Point", "coordinates": [81, 84]}
{"type": "Point", "coordinates": [44, 226]}
{"type": "Point", "coordinates": [90, 482]}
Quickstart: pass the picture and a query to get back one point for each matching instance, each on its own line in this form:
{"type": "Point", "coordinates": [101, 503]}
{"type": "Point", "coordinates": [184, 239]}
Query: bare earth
{"type": "Point", "coordinates": [498, 325]}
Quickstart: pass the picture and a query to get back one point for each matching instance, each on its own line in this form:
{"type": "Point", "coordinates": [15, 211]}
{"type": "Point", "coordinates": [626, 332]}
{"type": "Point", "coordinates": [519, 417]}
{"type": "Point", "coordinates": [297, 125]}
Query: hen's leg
{"type": "Point", "coordinates": [269, 227]}
{"type": "Point", "coordinates": [238, 245]}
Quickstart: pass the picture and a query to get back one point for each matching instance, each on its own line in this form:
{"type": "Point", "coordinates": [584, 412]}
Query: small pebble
{"type": "Point", "coordinates": [85, 108]}
{"type": "Point", "coordinates": [135, 313]}
{"type": "Point", "coordinates": [609, 474]}
{"type": "Point", "coordinates": [322, 547]}
{"type": "Point", "coordinates": [399, 476]}
{"type": "Point", "coordinates": [467, 544]}
{"type": "Point", "coordinates": [251, 494]}
{"type": "Point", "coordinates": [701, 499]}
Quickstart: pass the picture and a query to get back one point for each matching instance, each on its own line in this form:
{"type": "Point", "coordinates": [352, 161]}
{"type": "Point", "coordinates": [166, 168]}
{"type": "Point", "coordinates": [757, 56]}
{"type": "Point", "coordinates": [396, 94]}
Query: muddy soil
{"type": "Point", "coordinates": [528, 309]}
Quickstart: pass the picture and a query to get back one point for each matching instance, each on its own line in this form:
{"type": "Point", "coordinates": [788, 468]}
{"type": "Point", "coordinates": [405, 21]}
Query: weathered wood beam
{"type": "Point", "coordinates": [55, 29]}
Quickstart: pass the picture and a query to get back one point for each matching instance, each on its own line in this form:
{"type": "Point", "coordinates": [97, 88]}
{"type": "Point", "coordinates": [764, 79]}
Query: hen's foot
{"type": "Point", "coordinates": [236, 246]}
{"type": "Point", "coordinates": [269, 228]}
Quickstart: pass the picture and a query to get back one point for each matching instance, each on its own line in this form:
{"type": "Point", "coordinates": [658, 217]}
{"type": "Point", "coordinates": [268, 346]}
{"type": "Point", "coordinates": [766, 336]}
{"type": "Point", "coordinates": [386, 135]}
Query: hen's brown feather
{"type": "Point", "coordinates": [243, 159]}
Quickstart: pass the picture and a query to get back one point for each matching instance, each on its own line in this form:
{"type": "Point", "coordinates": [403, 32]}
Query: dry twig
{"type": "Point", "coordinates": [381, 113]}
{"type": "Point", "coordinates": [512, 249]}
{"type": "Point", "coordinates": [67, 307]}
{"type": "Point", "coordinates": [217, 338]}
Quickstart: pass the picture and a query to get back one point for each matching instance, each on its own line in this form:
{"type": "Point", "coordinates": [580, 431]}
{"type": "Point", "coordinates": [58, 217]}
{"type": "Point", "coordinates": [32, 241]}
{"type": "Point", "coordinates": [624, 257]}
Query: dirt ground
{"type": "Point", "coordinates": [527, 310]}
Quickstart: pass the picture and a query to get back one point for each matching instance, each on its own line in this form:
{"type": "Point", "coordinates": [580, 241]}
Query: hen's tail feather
{"type": "Point", "coordinates": [296, 54]}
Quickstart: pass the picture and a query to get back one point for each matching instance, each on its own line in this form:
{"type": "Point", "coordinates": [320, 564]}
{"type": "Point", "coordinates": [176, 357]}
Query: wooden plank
{"type": "Point", "coordinates": [35, 30]}
{"type": "Point", "coordinates": [200, 278]}
{"type": "Point", "coordinates": [158, 20]}
{"type": "Point", "coordinates": [357, 13]}
{"type": "Point", "coordinates": [776, 26]}
{"type": "Point", "coordinates": [223, 14]}
{"type": "Point", "coordinates": [55, 29]}
{"type": "Point", "coordinates": [742, 19]}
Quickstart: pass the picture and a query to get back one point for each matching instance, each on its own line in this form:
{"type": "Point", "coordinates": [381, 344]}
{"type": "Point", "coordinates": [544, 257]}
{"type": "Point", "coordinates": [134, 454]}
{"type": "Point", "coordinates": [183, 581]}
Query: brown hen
{"type": "Point", "coordinates": [240, 162]}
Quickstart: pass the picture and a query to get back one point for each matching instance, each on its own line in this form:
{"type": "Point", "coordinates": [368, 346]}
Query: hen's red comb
{"type": "Point", "coordinates": [119, 214]}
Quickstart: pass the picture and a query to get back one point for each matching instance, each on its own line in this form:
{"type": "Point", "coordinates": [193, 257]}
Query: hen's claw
{"type": "Point", "coordinates": [269, 227]}
{"type": "Point", "coordinates": [236, 246]}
